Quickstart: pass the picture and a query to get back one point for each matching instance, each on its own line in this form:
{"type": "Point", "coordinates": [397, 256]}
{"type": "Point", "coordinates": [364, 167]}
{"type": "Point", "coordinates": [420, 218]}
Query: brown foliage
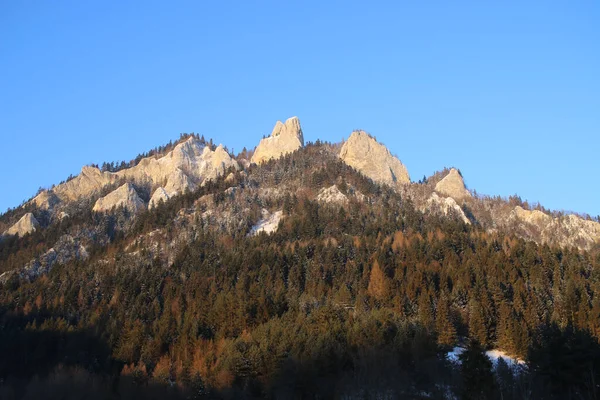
{"type": "Point", "coordinates": [378, 283]}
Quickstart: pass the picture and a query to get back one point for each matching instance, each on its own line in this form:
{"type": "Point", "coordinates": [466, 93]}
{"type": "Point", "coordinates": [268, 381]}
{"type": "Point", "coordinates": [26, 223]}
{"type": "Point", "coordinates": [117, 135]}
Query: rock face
{"type": "Point", "coordinates": [27, 224]}
{"type": "Point", "coordinates": [190, 164]}
{"type": "Point", "coordinates": [453, 186]}
{"type": "Point", "coordinates": [446, 206]}
{"type": "Point", "coordinates": [90, 179]}
{"type": "Point", "coordinates": [534, 217]}
{"type": "Point", "coordinates": [285, 138]}
{"type": "Point", "coordinates": [374, 160]}
{"type": "Point", "coordinates": [125, 196]}
{"type": "Point", "coordinates": [46, 200]}
{"type": "Point", "coordinates": [159, 194]}
{"type": "Point", "coordinates": [569, 230]}
{"type": "Point", "coordinates": [178, 182]}
{"type": "Point", "coordinates": [332, 195]}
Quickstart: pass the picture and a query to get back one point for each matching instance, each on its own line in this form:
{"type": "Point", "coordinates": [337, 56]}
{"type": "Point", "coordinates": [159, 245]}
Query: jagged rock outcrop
{"type": "Point", "coordinates": [178, 182]}
{"type": "Point", "coordinates": [90, 180]}
{"type": "Point", "coordinates": [46, 200]}
{"type": "Point", "coordinates": [159, 194]}
{"type": "Point", "coordinates": [125, 196]}
{"type": "Point", "coordinates": [27, 224]}
{"type": "Point", "coordinates": [332, 195]}
{"type": "Point", "coordinates": [567, 230]}
{"type": "Point", "coordinates": [534, 217]}
{"type": "Point", "coordinates": [453, 185]}
{"type": "Point", "coordinates": [190, 158]}
{"type": "Point", "coordinates": [374, 160]}
{"type": "Point", "coordinates": [190, 164]}
{"type": "Point", "coordinates": [285, 138]}
{"type": "Point", "coordinates": [446, 206]}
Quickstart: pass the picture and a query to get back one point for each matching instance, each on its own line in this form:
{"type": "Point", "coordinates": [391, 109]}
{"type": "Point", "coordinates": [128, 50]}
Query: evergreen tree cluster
{"type": "Point", "coordinates": [361, 300]}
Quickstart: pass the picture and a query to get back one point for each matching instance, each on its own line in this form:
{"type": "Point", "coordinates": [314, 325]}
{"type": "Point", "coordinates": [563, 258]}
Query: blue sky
{"type": "Point", "coordinates": [508, 91]}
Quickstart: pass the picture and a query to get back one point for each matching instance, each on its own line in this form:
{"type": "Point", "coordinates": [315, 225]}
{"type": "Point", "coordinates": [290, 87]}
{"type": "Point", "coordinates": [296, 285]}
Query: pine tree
{"type": "Point", "coordinates": [477, 328]}
{"type": "Point", "coordinates": [444, 325]}
{"type": "Point", "coordinates": [426, 311]}
{"type": "Point", "coordinates": [476, 370]}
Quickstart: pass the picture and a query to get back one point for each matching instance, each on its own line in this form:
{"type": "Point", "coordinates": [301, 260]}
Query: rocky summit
{"type": "Point", "coordinates": [362, 152]}
{"type": "Point", "coordinates": [190, 164]}
{"type": "Point", "coordinates": [187, 165]}
{"type": "Point", "coordinates": [285, 138]}
{"type": "Point", "coordinates": [453, 185]}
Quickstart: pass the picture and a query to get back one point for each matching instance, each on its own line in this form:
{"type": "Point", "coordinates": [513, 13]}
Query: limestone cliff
{"type": "Point", "coordinates": [567, 230]}
{"type": "Point", "coordinates": [190, 164]}
{"type": "Point", "coordinates": [452, 185]}
{"type": "Point", "coordinates": [446, 206]}
{"type": "Point", "coordinates": [159, 194]}
{"type": "Point", "coordinates": [27, 224]}
{"type": "Point", "coordinates": [285, 138]}
{"type": "Point", "coordinates": [125, 196]}
{"type": "Point", "coordinates": [46, 200]}
{"type": "Point", "coordinates": [374, 160]}
{"type": "Point", "coordinates": [90, 180]}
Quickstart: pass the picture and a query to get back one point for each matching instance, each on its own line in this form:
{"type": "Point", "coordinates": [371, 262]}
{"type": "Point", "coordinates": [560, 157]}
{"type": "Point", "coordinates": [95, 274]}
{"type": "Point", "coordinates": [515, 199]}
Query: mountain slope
{"type": "Point", "coordinates": [296, 277]}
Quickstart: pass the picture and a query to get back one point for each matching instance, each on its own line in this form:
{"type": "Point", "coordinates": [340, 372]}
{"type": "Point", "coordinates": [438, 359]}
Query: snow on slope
{"type": "Point", "coordinates": [268, 223]}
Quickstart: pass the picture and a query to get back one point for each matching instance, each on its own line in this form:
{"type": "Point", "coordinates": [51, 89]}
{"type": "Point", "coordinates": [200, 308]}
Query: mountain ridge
{"type": "Point", "coordinates": [191, 162]}
{"type": "Point", "coordinates": [300, 251]}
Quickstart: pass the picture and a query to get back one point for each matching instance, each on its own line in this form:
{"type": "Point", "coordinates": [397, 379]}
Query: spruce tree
{"type": "Point", "coordinates": [476, 371]}
{"type": "Point", "coordinates": [444, 325]}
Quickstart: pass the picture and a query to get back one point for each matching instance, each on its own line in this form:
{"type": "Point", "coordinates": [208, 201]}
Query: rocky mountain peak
{"type": "Point", "coordinates": [285, 138]}
{"type": "Point", "coordinates": [27, 224]}
{"type": "Point", "coordinates": [362, 152]}
{"type": "Point", "coordinates": [453, 185]}
{"type": "Point", "coordinates": [191, 163]}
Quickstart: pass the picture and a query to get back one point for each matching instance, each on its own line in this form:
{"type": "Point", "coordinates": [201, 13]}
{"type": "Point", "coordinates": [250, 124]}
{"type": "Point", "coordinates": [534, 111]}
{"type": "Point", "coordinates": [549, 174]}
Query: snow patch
{"type": "Point", "coordinates": [268, 223]}
{"type": "Point", "coordinates": [494, 355]}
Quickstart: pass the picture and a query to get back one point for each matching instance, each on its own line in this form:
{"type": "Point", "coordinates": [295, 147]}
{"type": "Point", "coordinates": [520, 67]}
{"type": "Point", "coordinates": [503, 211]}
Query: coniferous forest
{"type": "Point", "coordinates": [343, 301]}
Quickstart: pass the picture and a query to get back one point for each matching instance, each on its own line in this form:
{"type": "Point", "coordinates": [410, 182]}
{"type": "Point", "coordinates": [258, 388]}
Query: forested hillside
{"type": "Point", "coordinates": [360, 298]}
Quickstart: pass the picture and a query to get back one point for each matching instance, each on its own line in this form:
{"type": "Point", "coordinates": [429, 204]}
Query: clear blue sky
{"type": "Point", "coordinates": [507, 91]}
